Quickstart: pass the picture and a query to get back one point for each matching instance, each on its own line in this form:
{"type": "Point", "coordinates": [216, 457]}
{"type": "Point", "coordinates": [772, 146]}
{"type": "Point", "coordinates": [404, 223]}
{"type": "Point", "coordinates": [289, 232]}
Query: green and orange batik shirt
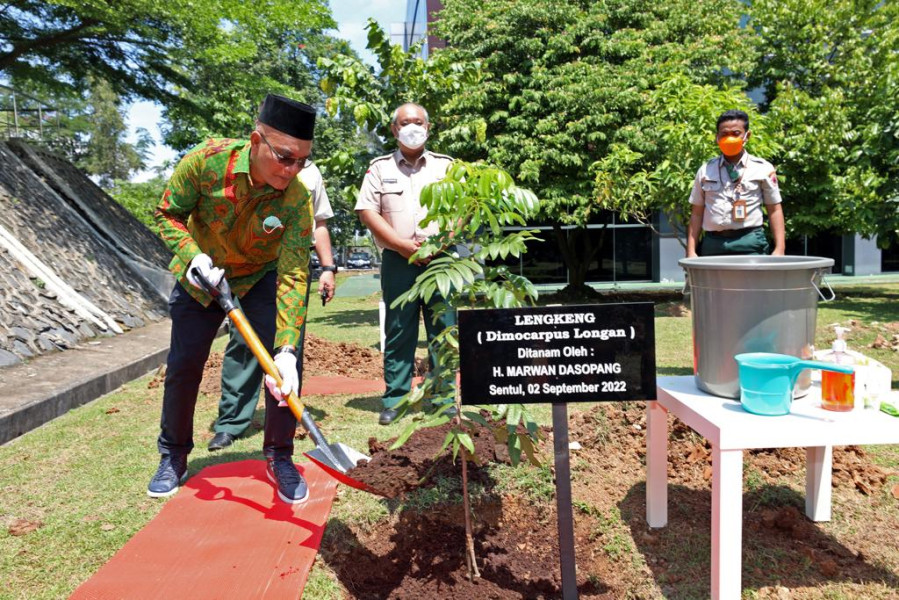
{"type": "Point", "coordinates": [210, 205]}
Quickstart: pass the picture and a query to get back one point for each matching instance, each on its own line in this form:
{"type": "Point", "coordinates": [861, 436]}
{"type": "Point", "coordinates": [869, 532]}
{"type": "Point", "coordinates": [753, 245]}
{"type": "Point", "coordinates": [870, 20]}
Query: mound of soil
{"type": "Point", "coordinates": [416, 464]}
{"type": "Point", "coordinates": [419, 553]}
{"type": "Point", "coordinates": [321, 357]}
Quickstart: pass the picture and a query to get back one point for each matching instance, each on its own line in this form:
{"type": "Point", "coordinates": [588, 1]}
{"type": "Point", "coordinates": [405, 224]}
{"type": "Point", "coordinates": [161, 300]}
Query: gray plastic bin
{"type": "Point", "coordinates": [752, 304]}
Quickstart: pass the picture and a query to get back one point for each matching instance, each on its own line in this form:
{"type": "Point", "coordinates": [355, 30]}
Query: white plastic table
{"type": "Point", "coordinates": [730, 430]}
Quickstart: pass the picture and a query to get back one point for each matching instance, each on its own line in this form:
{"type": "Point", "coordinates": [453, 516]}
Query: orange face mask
{"type": "Point", "coordinates": [731, 145]}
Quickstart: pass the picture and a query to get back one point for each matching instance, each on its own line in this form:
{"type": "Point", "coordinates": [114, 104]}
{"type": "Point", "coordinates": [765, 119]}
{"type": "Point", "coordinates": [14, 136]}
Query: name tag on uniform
{"type": "Point", "coordinates": [389, 180]}
{"type": "Point", "coordinates": [739, 210]}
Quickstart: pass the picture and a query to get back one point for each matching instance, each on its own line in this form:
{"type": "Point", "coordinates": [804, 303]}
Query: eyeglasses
{"type": "Point", "coordinates": [287, 161]}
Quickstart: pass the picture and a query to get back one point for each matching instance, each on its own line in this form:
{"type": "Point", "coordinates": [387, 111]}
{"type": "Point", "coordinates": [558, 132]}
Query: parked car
{"type": "Point", "coordinates": [359, 260]}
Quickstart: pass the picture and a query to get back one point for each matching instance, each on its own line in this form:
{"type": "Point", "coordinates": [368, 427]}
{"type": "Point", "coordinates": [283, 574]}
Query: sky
{"type": "Point", "coordinates": [351, 17]}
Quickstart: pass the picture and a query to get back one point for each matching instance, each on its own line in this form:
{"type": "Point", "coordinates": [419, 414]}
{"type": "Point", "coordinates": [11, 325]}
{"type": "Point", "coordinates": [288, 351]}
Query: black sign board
{"type": "Point", "coordinates": [582, 353]}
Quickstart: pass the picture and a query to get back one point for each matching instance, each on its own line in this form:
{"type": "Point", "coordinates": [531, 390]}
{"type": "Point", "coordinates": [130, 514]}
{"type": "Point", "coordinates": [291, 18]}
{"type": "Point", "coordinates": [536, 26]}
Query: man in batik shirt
{"type": "Point", "coordinates": [236, 209]}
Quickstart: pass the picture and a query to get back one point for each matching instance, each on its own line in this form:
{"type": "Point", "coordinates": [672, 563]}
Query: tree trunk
{"type": "Point", "coordinates": [578, 252]}
{"type": "Point", "coordinates": [470, 559]}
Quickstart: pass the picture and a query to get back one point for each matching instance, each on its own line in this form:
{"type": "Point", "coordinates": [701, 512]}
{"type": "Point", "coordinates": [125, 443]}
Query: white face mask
{"type": "Point", "coordinates": [412, 136]}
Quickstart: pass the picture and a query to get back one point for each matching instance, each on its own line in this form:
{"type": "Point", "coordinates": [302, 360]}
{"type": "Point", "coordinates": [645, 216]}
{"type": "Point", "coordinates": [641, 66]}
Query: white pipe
{"type": "Point", "coordinates": [67, 295]}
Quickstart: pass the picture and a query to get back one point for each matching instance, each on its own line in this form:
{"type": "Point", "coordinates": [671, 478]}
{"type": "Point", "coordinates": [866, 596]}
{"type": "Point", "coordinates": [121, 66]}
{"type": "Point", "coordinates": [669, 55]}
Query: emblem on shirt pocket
{"type": "Point", "coordinates": [271, 224]}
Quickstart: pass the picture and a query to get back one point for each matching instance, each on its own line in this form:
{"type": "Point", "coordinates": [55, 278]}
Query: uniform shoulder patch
{"type": "Point", "coordinates": [773, 177]}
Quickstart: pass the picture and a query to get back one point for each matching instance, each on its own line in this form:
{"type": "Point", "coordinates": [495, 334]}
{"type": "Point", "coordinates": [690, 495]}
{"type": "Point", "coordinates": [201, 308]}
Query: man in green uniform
{"type": "Point", "coordinates": [236, 209]}
{"type": "Point", "coordinates": [728, 195]}
{"type": "Point", "coordinates": [388, 204]}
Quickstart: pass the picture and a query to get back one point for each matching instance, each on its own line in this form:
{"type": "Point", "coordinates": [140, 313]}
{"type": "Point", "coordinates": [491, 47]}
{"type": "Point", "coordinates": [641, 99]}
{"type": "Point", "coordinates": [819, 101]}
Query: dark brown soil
{"type": "Point", "coordinates": [396, 472]}
{"type": "Point", "coordinates": [418, 553]}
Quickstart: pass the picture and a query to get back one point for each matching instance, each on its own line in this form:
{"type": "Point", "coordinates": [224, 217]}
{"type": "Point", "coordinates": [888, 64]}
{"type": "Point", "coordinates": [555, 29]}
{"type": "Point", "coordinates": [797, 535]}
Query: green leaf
{"type": "Point", "coordinates": [448, 438]}
{"type": "Point", "coordinates": [466, 441]}
{"type": "Point", "coordinates": [476, 417]}
{"type": "Point", "coordinates": [404, 436]}
{"type": "Point", "coordinates": [513, 416]}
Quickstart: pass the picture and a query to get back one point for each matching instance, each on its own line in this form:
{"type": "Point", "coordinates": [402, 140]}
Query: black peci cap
{"type": "Point", "coordinates": [288, 116]}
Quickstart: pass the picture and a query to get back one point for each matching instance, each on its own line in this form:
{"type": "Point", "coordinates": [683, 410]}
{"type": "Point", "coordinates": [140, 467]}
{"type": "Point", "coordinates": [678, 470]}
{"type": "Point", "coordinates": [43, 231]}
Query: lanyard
{"type": "Point", "coordinates": [736, 177]}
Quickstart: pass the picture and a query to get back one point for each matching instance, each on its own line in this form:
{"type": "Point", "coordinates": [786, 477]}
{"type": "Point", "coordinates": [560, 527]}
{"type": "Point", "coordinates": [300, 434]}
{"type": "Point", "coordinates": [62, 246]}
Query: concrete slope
{"type": "Point", "coordinates": [61, 282]}
{"type": "Point", "coordinates": [133, 241]}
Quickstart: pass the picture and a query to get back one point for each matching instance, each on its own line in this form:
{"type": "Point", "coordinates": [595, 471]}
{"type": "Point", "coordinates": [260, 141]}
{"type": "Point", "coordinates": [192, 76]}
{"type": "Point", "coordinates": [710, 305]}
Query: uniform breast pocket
{"type": "Point", "coordinates": [751, 185]}
{"type": "Point", "coordinates": [711, 186]}
{"type": "Point", "coordinates": [392, 200]}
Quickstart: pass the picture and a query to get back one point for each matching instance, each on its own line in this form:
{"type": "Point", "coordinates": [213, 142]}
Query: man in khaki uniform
{"type": "Point", "coordinates": [728, 194]}
{"type": "Point", "coordinates": [389, 206]}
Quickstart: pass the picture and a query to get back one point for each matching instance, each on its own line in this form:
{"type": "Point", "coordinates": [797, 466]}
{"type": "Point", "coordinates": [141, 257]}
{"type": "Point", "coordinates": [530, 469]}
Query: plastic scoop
{"type": "Point", "coordinates": [767, 380]}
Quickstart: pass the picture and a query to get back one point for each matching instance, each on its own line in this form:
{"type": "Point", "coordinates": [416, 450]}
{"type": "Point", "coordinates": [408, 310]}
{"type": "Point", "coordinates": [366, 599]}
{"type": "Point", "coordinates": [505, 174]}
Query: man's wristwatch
{"type": "Point", "coordinates": [332, 268]}
{"type": "Point", "coordinates": [287, 350]}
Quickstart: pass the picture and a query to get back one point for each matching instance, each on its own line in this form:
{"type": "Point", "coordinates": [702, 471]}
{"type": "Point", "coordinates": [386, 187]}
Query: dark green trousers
{"type": "Point", "coordinates": [401, 325]}
{"type": "Point", "coordinates": [242, 380]}
{"type": "Point", "coordinates": [241, 383]}
{"type": "Point", "coordinates": [752, 241]}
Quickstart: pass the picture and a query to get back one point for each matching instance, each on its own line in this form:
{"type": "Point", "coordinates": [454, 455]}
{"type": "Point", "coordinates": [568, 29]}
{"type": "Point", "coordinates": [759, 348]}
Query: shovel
{"type": "Point", "coordinates": [335, 459]}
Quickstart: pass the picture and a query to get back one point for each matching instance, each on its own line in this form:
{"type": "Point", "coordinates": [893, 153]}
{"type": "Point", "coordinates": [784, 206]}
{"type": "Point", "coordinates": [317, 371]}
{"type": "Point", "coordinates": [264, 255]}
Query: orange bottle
{"type": "Point", "coordinates": [838, 389]}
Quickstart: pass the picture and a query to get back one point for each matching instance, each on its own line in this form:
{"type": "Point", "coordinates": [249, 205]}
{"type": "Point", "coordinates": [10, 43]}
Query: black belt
{"type": "Point", "coordinates": [733, 233]}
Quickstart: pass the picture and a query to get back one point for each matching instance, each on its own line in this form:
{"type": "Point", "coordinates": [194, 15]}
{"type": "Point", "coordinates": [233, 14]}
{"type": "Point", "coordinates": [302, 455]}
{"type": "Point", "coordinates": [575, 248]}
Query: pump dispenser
{"type": "Point", "coordinates": [839, 345]}
{"type": "Point", "coordinates": [838, 389]}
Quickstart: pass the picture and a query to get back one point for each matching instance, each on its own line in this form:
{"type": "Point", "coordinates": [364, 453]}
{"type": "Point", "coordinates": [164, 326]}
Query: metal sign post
{"type": "Point", "coordinates": [563, 501]}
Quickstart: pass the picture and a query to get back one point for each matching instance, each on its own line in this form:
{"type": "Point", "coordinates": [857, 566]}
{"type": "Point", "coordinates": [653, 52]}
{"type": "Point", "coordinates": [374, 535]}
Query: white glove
{"type": "Point", "coordinates": [203, 264]}
{"type": "Point", "coordinates": [290, 379]}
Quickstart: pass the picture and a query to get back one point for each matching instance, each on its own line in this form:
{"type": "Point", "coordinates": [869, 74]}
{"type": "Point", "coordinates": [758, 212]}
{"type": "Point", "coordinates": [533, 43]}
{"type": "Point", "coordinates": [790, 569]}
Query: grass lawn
{"type": "Point", "coordinates": [83, 476]}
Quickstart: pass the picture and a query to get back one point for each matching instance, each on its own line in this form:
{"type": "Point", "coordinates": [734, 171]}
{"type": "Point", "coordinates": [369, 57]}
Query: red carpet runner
{"type": "Point", "coordinates": [224, 535]}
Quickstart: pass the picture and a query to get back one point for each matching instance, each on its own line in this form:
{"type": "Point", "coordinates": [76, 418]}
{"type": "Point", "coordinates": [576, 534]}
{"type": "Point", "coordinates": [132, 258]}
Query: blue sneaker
{"type": "Point", "coordinates": [171, 474]}
{"type": "Point", "coordinates": [283, 473]}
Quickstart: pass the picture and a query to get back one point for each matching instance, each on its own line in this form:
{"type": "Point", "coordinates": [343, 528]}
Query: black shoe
{"type": "Point", "coordinates": [171, 474]}
{"type": "Point", "coordinates": [387, 416]}
{"type": "Point", "coordinates": [220, 440]}
{"type": "Point", "coordinates": [283, 473]}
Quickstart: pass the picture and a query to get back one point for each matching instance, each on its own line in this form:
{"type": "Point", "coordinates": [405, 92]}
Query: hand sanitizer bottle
{"type": "Point", "coordinates": [838, 389]}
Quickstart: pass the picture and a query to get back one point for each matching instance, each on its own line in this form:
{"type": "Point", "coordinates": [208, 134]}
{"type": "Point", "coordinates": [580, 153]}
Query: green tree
{"type": "Point", "coordinates": [679, 135]}
{"type": "Point", "coordinates": [143, 48]}
{"type": "Point", "coordinates": [283, 63]}
{"type": "Point", "coordinates": [830, 73]}
{"type": "Point", "coordinates": [108, 154]}
{"type": "Point", "coordinates": [567, 84]}
{"type": "Point", "coordinates": [472, 206]}
{"type": "Point", "coordinates": [140, 199]}
{"type": "Point", "coordinates": [369, 95]}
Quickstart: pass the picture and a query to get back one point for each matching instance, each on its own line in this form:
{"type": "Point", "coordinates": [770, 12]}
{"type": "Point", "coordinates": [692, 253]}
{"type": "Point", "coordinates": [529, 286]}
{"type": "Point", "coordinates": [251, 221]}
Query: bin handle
{"type": "Point", "coordinates": [686, 290]}
{"type": "Point", "coordinates": [824, 281]}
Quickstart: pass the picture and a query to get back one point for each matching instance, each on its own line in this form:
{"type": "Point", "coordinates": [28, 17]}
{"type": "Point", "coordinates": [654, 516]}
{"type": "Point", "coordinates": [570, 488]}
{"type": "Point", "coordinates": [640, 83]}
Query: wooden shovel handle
{"type": "Point", "coordinates": [265, 359]}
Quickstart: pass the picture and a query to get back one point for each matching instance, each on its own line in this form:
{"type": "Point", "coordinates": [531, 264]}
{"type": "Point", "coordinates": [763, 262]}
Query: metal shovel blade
{"type": "Point", "coordinates": [347, 458]}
